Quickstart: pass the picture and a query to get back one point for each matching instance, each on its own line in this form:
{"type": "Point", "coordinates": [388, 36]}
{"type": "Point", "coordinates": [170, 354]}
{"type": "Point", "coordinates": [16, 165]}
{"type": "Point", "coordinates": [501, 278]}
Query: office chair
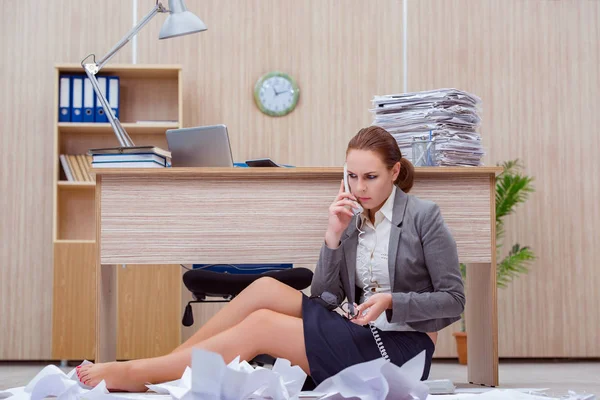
{"type": "Point", "coordinates": [224, 281]}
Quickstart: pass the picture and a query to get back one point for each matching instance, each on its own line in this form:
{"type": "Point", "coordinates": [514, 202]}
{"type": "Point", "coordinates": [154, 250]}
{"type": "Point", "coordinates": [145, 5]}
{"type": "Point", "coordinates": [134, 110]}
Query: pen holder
{"type": "Point", "coordinates": [423, 153]}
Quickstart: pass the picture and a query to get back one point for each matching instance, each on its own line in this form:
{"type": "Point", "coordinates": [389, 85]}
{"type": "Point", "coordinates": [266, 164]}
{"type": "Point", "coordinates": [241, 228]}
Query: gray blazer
{"type": "Point", "coordinates": [427, 288]}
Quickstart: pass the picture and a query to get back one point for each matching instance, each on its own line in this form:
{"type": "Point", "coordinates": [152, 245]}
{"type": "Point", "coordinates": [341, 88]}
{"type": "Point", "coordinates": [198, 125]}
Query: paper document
{"type": "Point", "coordinates": [448, 117]}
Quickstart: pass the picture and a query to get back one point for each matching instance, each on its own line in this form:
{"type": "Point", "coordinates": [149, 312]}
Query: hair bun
{"type": "Point", "coordinates": [406, 176]}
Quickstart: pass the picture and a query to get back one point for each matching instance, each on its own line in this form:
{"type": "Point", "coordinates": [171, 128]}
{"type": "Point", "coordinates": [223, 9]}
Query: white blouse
{"type": "Point", "coordinates": [372, 273]}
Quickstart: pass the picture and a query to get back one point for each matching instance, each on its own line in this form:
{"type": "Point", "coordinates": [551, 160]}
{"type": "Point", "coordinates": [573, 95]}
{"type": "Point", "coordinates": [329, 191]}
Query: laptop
{"type": "Point", "coordinates": [203, 146]}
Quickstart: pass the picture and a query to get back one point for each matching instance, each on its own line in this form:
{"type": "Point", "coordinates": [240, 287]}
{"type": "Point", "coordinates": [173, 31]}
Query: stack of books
{"type": "Point", "coordinates": [130, 157]}
{"type": "Point", "coordinates": [76, 167]}
{"type": "Point", "coordinates": [450, 117]}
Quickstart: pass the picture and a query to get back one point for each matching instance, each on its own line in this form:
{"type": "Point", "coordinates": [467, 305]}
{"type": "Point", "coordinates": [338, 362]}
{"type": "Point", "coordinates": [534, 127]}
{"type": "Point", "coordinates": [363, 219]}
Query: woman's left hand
{"type": "Point", "coordinates": [371, 309]}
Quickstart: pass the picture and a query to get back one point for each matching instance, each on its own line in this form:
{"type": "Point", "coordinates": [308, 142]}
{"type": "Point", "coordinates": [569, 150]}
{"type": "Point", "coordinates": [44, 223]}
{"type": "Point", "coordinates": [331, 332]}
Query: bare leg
{"type": "Point", "coordinates": [264, 293]}
{"type": "Point", "coordinates": [263, 331]}
{"type": "Point", "coordinates": [433, 336]}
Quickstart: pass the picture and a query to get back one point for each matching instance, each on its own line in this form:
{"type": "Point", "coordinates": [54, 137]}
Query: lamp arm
{"type": "Point", "coordinates": [157, 8]}
{"type": "Point", "coordinates": [120, 132]}
{"type": "Point", "coordinates": [92, 69]}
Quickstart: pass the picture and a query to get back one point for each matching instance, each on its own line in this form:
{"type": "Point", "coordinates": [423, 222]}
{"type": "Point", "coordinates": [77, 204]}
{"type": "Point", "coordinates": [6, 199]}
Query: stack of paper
{"type": "Point", "coordinates": [130, 157]}
{"type": "Point", "coordinates": [449, 116]}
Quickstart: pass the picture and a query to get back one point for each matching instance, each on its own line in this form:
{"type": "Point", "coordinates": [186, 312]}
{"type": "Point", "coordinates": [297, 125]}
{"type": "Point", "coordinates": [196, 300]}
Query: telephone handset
{"type": "Point", "coordinates": [355, 210]}
{"type": "Point", "coordinates": [329, 301]}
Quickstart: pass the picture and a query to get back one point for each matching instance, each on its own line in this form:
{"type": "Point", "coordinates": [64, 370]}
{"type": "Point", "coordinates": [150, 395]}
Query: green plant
{"type": "Point", "coordinates": [512, 189]}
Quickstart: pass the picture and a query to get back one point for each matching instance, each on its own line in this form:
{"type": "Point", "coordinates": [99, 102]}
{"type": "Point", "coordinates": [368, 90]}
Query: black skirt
{"type": "Point", "coordinates": [334, 343]}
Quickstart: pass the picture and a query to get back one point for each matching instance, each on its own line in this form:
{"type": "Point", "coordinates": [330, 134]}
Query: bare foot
{"type": "Point", "coordinates": [118, 376]}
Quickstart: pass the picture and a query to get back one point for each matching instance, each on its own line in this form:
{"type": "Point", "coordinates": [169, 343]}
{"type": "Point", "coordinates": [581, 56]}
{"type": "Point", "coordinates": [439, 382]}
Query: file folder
{"type": "Point", "coordinates": [77, 99]}
{"type": "Point", "coordinates": [100, 115]}
{"type": "Point", "coordinates": [64, 102]}
{"type": "Point", "coordinates": [113, 93]}
{"type": "Point", "coordinates": [88, 101]}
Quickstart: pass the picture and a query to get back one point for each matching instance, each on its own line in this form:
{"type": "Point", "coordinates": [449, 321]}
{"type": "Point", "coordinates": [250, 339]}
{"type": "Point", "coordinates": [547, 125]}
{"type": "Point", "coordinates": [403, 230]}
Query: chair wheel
{"type": "Point", "coordinates": [188, 316]}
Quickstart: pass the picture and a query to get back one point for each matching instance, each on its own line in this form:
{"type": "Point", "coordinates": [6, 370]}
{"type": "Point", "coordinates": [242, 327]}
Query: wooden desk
{"type": "Point", "coordinates": [276, 215]}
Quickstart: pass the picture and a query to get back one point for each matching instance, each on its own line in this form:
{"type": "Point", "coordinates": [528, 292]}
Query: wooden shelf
{"type": "Point", "coordinates": [76, 185]}
{"type": "Point", "coordinates": [151, 93]}
{"type": "Point", "coordinates": [82, 241]}
{"type": "Point", "coordinates": [138, 71]}
{"type": "Point", "coordinates": [130, 127]}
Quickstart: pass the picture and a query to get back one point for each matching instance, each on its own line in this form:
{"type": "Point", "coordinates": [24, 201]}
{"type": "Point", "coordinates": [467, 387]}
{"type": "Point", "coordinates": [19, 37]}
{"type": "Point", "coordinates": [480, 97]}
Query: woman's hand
{"type": "Point", "coordinates": [371, 309]}
{"type": "Point", "coordinates": [340, 215]}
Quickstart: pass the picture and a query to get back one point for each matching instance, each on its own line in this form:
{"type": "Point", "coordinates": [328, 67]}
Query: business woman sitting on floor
{"type": "Point", "coordinates": [396, 259]}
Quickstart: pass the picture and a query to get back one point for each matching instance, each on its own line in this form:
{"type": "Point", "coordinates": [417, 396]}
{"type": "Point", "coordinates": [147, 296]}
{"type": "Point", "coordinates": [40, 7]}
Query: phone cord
{"type": "Point", "coordinates": [365, 282]}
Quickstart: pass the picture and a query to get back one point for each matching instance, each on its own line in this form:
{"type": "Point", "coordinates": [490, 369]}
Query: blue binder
{"type": "Point", "coordinates": [113, 92]}
{"type": "Point", "coordinates": [89, 110]}
{"type": "Point", "coordinates": [64, 101]}
{"type": "Point", "coordinates": [100, 115]}
{"type": "Point", "coordinates": [76, 98]}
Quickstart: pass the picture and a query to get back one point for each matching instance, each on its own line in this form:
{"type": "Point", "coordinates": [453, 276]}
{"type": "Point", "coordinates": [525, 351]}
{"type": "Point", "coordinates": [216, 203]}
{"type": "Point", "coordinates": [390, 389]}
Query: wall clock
{"type": "Point", "coordinates": [276, 94]}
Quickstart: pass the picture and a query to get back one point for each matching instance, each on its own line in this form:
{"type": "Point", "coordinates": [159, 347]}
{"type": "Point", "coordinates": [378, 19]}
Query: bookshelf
{"type": "Point", "coordinates": [150, 296]}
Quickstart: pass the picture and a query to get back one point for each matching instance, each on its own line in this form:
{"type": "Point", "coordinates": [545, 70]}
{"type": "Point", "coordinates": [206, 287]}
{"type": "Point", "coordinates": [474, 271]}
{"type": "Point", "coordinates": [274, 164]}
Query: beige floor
{"type": "Point", "coordinates": [559, 377]}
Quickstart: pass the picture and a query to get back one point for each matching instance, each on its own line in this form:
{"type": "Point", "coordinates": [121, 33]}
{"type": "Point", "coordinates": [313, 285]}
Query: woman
{"type": "Point", "coordinates": [397, 259]}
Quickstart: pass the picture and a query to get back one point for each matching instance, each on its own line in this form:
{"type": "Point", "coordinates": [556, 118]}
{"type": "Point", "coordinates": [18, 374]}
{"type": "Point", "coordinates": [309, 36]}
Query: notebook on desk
{"type": "Point", "coordinates": [203, 146]}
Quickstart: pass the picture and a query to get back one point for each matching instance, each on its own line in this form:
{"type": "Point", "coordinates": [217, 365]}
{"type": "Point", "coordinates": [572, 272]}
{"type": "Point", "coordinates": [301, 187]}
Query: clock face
{"type": "Point", "coordinates": [276, 94]}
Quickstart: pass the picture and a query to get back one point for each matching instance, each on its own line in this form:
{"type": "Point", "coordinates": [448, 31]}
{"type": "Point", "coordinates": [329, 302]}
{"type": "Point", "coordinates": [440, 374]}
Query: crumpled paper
{"type": "Point", "coordinates": [378, 380]}
{"type": "Point", "coordinates": [52, 382]}
{"type": "Point", "coordinates": [211, 379]}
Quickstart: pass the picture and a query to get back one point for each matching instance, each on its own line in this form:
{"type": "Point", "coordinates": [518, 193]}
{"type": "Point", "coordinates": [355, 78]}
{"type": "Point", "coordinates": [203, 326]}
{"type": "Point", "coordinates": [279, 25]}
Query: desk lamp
{"type": "Point", "coordinates": [179, 22]}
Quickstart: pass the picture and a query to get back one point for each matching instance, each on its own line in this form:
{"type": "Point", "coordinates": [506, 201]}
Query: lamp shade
{"type": "Point", "coordinates": [180, 21]}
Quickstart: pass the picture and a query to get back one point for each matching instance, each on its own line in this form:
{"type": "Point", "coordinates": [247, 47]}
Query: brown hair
{"type": "Point", "coordinates": [380, 141]}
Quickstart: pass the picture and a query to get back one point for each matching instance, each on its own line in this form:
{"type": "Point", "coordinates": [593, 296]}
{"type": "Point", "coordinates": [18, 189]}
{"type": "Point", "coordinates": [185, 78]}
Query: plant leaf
{"type": "Point", "coordinates": [515, 263]}
{"type": "Point", "coordinates": [510, 191]}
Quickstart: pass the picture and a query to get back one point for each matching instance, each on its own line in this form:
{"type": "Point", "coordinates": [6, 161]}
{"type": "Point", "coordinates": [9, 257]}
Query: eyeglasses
{"type": "Point", "coordinates": [349, 309]}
